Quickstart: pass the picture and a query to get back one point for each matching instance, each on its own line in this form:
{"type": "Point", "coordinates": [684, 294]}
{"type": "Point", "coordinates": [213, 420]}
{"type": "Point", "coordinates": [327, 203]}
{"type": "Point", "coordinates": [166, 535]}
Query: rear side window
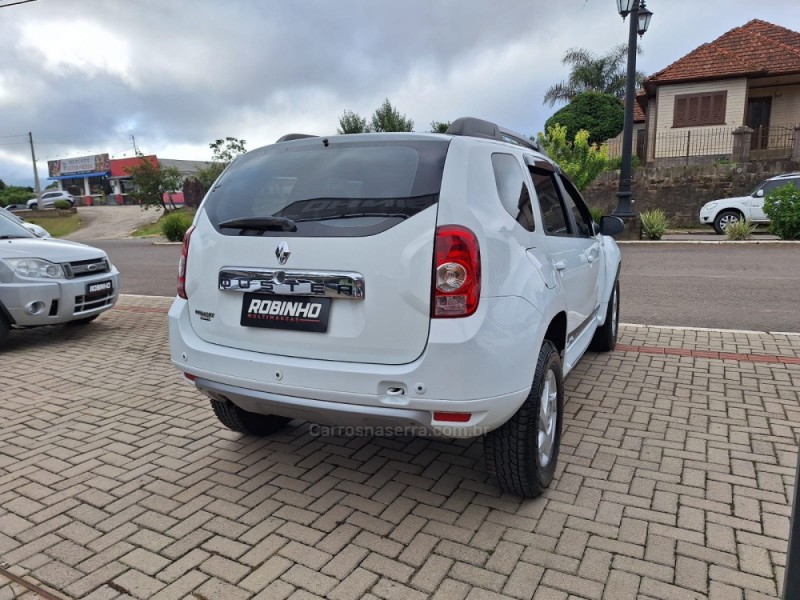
{"type": "Point", "coordinates": [343, 188]}
{"type": "Point", "coordinates": [580, 212]}
{"type": "Point", "coordinates": [512, 189]}
{"type": "Point", "coordinates": [554, 214]}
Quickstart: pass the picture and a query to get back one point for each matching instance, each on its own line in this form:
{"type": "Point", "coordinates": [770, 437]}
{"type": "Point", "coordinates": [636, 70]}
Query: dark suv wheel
{"type": "Point", "coordinates": [521, 454]}
{"type": "Point", "coordinates": [238, 419]}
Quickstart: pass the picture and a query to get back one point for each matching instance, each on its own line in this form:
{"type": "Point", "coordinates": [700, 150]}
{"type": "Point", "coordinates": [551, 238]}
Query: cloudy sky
{"type": "Point", "coordinates": [85, 75]}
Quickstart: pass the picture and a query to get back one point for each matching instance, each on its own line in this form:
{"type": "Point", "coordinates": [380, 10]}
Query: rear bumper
{"type": "Point", "coordinates": [484, 367]}
{"type": "Point", "coordinates": [373, 419]}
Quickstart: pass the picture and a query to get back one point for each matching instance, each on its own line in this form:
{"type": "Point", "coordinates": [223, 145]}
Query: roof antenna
{"type": "Point", "coordinates": [325, 142]}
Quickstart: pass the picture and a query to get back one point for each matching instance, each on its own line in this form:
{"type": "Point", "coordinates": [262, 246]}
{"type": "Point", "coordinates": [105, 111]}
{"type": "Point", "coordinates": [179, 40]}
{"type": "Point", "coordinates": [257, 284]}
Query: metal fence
{"type": "Point", "coordinates": [773, 140]}
{"type": "Point", "coordinates": [702, 145]}
{"type": "Point", "coordinates": [711, 141]}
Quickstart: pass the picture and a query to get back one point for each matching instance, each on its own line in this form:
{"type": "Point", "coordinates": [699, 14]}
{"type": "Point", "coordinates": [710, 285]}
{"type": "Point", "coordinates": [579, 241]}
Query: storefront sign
{"type": "Point", "coordinates": [82, 165]}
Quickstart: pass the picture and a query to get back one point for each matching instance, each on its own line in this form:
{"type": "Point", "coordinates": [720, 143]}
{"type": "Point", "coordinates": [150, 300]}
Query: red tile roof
{"type": "Point", "coordinates": [756, 48]}
{"type": "Point", "coordinates": [638, 110]}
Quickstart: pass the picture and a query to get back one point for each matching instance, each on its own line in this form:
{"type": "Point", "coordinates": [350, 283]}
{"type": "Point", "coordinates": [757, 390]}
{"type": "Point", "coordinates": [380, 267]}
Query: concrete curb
{"type": "Point", "coordinates": [741, 242]}
{"type": "Point", "coordinates": [710, 329]}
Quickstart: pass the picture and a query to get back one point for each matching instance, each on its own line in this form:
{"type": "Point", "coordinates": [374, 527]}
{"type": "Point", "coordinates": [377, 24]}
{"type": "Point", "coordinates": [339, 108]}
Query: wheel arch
{"type": "Point", "coordinates": [557, 332]}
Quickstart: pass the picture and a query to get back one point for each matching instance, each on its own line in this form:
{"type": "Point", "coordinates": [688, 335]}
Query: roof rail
{"type": "Point", "coordinates": [472, 127]}
{"type": "Point", "coordinates": [294, 136]}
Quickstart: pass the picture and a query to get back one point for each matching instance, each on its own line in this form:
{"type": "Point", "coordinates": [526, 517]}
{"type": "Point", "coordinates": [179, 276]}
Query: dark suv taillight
{"type": "Point", "coordinates": [456, 273]}
{"type": "Point", "coordinates": [182, 263]}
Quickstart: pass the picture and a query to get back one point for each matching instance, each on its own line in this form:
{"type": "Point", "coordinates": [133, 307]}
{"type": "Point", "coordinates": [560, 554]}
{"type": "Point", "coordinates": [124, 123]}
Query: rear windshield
{"type": "Point", "coordinates": [342, 189]}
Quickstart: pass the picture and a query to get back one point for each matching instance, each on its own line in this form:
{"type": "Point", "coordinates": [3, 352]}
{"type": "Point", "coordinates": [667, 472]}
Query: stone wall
{"type": "Point", "coordinates": [682, 191]}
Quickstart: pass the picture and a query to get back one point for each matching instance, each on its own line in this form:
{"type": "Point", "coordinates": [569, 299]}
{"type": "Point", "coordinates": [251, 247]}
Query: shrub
{"type": "Point", "coordinates": [580, 160]}
{"type": "Point", "coordinates": [782, 206]}
{"type": "Point", "coordinates": [61, 204]}
{"type": "Point", "coordinates": [597, 213]}
{"type": "Point", "coordinates": [740, 230]}
{"type": "Point", "coordinates": [654, 223]}
{"type": "Point", "coordinates": [175, 224]}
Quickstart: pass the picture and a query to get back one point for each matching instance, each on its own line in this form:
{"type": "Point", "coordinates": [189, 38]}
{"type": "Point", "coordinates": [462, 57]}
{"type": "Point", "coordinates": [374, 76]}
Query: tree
{"type": "Point", "coordinates": [580, 160]}
{"type": "Point", "coordinates": [2, 185]}
{"type": "Point", "coordinates": [388, 118]}
{"type": "Point", "coordinates": [439, 126]}
{"type": "Point", "coordinates": [602, 115]}
{"type": "Point", "coordinates": [351, 122]}
{"type": "Point", "coordinates": [12, 194]}
{"type": "Point", "coordinates": [592, 73]}
{"type": "Point", "coordinates": [223, 151]}
{"type": "Point", "coordinates": [153, 181]}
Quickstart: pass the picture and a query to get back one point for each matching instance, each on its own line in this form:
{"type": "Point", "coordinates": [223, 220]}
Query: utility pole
{"type": "Point", "coordinates": [37, 187]}
{"type": "Point", "coordinates": [135, 149]}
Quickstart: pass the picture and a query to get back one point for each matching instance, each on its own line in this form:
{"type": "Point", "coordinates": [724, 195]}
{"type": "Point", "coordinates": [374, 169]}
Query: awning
{"type": "Point", "coordinates": [79, 175]}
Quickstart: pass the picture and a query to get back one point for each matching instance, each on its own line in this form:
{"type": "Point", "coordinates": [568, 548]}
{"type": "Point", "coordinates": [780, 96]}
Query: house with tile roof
{"type": "Point", "coordinates": [748, 77]}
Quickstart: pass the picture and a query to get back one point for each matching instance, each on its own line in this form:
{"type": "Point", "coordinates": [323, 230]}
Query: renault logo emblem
{"type": "Point", "coordinates": [282, 252]}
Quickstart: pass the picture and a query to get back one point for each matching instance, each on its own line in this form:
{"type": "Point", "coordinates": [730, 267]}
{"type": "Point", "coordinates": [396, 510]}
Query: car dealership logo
{"type": "Point", "coordinates": [282, 252]}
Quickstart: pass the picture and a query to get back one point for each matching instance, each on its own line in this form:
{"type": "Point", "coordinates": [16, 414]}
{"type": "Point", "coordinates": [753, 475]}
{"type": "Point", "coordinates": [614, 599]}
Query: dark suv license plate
{"type": "Point", "coordinates": [285, 312]}
{"type": "Point", "coordinates": [99, 288]}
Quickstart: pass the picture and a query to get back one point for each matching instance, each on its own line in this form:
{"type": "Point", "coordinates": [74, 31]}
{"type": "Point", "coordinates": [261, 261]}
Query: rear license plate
{"type": "Point", "coordinates": [285, 312]}
{"type": "Point", "coordinates": [99, 288]}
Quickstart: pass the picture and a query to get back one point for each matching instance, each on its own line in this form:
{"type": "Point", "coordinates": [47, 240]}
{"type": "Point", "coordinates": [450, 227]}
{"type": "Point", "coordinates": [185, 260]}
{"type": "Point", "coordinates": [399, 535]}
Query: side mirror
{"type": "Point", "coordinates": [760, 194]}
{"type": "Point", "coordinates": [612, 226]}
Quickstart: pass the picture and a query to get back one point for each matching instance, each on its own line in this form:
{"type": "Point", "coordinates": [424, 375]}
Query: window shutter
{"type": "Point", "coordinates": [681, 112]}
{"type": "Point", "coordinates": [705, 109]}
{"type": "Point", "coordinates": [718, 110]}
{"type": "Point", "coordinates": [693, 110]}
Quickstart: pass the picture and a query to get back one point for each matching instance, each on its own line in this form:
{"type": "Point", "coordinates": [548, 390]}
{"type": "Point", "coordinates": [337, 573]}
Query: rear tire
{"type": "Point", "coordinates": [725, 218]}
{"type": "Point", "coordinates": [34, 206]}
{"type": "Point", "coordinates": [522, 454]}
{"type": "Point", "coordinates": [238, 419]}
{"type": "Point", "coordinates": [605, 338]}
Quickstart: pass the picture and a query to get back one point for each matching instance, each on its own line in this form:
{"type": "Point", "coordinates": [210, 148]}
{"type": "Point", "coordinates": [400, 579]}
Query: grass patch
{"type": "Point", "coordinates": [156, 229]}
{"type": "Point", "coordinates": [58, 226]}
{"type": "Point", "coordinates": [148, 230]}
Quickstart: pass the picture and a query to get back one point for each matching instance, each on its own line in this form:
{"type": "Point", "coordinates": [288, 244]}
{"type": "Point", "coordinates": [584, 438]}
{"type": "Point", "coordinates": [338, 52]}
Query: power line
{"type": "Point", "coordinates": [15, 3]}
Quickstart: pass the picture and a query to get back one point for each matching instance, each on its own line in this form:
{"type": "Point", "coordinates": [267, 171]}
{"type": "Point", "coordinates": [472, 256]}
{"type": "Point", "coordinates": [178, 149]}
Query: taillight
{"type": "Point", "coordinates": [456, 273]}
{"type": "Point", "coordinates": [182, 263]}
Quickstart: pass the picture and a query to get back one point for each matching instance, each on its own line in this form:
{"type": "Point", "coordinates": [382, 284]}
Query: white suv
{"type": "Point", "coordinates": [48, 199]}
{"type": "Point", "coordinates": [434, 283]}
{"type": "Point", "coordinates": [723, 212]}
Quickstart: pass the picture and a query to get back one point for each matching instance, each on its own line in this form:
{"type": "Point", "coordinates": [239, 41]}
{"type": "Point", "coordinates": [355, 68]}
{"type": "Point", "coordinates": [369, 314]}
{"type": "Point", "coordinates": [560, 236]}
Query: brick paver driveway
{"type": "Point", "coordinates": [116, 481]}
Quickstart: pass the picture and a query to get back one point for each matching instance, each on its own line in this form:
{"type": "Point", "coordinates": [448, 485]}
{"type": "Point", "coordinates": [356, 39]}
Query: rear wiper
{"type": "Point", "coordinates": [260, 224]}
{"type": "Point", "coordinates": [352, 216]}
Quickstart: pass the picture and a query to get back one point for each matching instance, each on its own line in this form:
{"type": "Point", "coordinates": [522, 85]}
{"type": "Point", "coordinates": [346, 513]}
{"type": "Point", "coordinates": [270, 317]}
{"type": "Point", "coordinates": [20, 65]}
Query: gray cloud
{"type": "Point", "coordinates": [178, 74]}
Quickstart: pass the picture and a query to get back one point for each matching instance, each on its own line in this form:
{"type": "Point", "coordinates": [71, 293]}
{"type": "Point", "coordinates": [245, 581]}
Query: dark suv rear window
{"type": "Point", "coordinates": [344, 188]}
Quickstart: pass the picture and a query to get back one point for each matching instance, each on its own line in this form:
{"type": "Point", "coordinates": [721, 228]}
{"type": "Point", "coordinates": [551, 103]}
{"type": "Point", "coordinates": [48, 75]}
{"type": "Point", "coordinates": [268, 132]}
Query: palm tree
{"type": "Point", "coordinates": [592, 73]}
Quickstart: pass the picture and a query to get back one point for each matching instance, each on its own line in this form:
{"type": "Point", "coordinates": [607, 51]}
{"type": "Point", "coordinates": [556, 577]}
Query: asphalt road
{"type": "Point", "coordinates": [755, 287]}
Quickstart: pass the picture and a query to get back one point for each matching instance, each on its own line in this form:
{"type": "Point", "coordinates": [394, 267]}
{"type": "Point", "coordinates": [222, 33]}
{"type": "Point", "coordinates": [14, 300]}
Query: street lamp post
{"type": "Point", "coordinates": [640, 21]}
